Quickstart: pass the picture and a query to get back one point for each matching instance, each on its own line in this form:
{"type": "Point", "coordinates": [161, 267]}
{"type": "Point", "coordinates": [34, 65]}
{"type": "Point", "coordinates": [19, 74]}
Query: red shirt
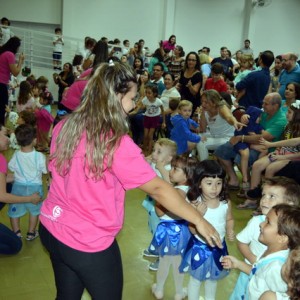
{"type": "Point", "coordinates": [219, 86]}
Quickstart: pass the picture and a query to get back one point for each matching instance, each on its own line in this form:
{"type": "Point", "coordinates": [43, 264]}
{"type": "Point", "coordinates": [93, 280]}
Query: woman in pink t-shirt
{"type": "Point", "coordinates": [93, 162]}
{"type": "Point", "coordinates": [8, 66]}
{"type": "Point", "coordinates": [10, 243]}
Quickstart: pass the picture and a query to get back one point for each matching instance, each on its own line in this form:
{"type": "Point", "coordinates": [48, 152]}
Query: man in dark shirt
{"type": "Point", "coordinates": [254, 87]}
{"type": "Point", "coordinates": [225, 61]}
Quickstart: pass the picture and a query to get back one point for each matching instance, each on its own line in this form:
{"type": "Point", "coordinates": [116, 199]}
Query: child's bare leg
{"type": "Point", "coordinates": [145, 142]}
{"type": "Point", "coordinates": [260, 148]}
{"type": "Point", "coordinates": [258, 167]}
{"type": "Point", "coordinates": [244, 163]}
{"type": "Point", "coordinates": [33, 220]}
{"type": "Point", "coordinates": [150, 141]}
{"type": "Point", "coordinates": [274, 167]}
{"type": "Point", "coordinates": [15, 224]}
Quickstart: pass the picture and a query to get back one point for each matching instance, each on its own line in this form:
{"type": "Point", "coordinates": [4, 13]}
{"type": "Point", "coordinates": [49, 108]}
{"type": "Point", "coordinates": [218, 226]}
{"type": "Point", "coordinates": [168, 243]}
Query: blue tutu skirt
{"type": "Point", "coordinates": [171, 238]}
{"type": "Point", "coordinates": [153, 219]}
{"type": "Point", "coordinates": [202, 261]}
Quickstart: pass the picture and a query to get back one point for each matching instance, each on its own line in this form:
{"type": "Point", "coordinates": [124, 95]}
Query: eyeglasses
{"type": "Point", "coordinates": [286, 59]}
{"type": "Point", "coordinates": [191, 59]}
{"type": "Point", "coordinates": [156, 70]}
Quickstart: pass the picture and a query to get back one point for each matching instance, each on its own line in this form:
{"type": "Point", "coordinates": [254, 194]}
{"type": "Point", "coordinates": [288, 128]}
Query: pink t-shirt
{"type": "Point", "coordinates": [72, 97]}
{"type": "Point", "coordinates": [6, 58]}
{"type": "Point", "coordinates": [3, 164]}
{"type": "Point", "coordinates": [167, 45]}
{"type": "Point", "coordinates": [85, 214]}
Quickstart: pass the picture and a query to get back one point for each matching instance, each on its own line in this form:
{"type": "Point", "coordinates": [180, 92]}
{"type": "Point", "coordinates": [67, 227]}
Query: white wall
{"type": "Point", "coordinates": [37, 11]}
{"type": "Point", "coordinates": [196, 23]}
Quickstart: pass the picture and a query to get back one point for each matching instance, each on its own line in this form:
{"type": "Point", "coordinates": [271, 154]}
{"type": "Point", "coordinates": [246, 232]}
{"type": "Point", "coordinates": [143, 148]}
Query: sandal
{"type": "Point", "coordinates": [32, 235]}
{"type": "Point", "coordinates": [18, 233]}
{"type": "Point", "coordinates": [248, 204]}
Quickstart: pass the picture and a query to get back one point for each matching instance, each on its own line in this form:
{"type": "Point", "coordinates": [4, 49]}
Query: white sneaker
{"type": "Point", "coordinates": [147, 253]}
{"type": "Point", "coordinates": [154, 266]}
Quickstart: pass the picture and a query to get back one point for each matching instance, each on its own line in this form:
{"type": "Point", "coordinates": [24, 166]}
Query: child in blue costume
{"type": "Point", "coordinates": [202, 262]}
{"type": "Point", "coordinates": [172, 233]}
{"type": "Point", "coordinates": [253, 126]}
{"type": "Point", "coordinates": [163, 152]}
{"type": "Point", "coordinates": [181, 133]}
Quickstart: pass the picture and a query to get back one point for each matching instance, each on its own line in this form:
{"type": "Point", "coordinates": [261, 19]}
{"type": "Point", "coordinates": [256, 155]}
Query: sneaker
{"type": "Point", "coordinates": [154, 266]}
{"type": "Point", "coordinates": [181, 296]}
{"type": "Point", "coordinates": [32, 235]}
{"type": "Point", "coordinates": [147, 253]}
{"type": "Point", "coordinates": [254, 193]}
{"type": "Point", "coordinates": [156, 294]}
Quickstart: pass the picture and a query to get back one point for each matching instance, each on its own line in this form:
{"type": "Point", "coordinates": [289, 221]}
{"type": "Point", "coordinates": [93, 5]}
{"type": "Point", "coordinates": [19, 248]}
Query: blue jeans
{"type": "Point", "coordinates": [99, 272]}
{"type": "Point", "coordinates": [227, 152]}
{"type": "Point", "coordinates": [10, 243]}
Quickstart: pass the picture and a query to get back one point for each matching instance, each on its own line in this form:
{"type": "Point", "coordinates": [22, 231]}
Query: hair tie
{"type": "Point", "coordinates": [296, 104]}
{"type": "Point", "coordinates": [111, 63]}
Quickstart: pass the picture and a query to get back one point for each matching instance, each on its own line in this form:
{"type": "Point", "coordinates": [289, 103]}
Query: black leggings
{"type": "Point", "coordinates": [3, 102]}
{"type": "Point", "coordinates": [99, 272]}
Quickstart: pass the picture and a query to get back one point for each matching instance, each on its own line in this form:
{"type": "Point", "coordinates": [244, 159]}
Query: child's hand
{"type": "Point", "coordinates": [163, 125]}
{"type": "Point", "coordinates": [202, 208]}
{"type": "Point", "coordinates": [7, 109]}
{"type": "Point", "coordinates": [189, 84]}
{"type": "Point", "coordinates": [265, 143]}
{"type": "Point", "coordinates": [231, 235]}
{"type": "Point", "coordinates": [245, 119]}
{"type": "Point", "coordinates": [229, 262]}
{"type": "Point", "coordinates": [160, 165]}
{"type": "Point", "coordinates": [36, 198]}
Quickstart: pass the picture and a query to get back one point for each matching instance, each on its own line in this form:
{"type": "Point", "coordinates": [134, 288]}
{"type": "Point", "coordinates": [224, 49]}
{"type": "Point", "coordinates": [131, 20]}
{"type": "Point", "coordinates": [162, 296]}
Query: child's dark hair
{"type": "Point", "coordinates": [291, 187]}
{"type": "Point", "coordinates": [47, 96]}
{"type": "Point", "coordinates": [207, 168]}
{"type": "Point", "coordinates": [28, 117]}
{"type": "Point", "coordinates": [57, 29]}
{"type": "Point", "coordinates": [217, 68]}
{"type": "Point", "coordinates": [288, 223]}
{"type": "Point", "coordinates": [153, 88]}
{"type": "Point", "coordinates": [173, 103]}
{"type": "Point", "coordinates": [24, 93]}
{"type": "Point", "coordinates": [188, 165]}
{"type": "Point", "coordinates": [25, 134]}
{"type": "Point", "coordinates": [77, 60]}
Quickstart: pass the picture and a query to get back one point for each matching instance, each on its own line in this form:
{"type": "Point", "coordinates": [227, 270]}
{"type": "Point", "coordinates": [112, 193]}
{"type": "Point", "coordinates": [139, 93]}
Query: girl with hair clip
{"type": "Point", "coordinates": [172, 234]}
{"type": "Point", "coordinates": [25, 99]}
{"type": "Point", "coordinates": [290, 273]}
{"type": "Point", "coordinates": [208, 196]}
{"type": "Point", "coordinates": [93, 162]}
{"type": "Point", "coordinates": [280, 232]}
{"type": "Point", "coordinates": [278, 159]}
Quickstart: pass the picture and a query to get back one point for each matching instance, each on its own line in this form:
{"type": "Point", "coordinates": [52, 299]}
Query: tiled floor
{"type": "Point", "coordinates": [28, 275]}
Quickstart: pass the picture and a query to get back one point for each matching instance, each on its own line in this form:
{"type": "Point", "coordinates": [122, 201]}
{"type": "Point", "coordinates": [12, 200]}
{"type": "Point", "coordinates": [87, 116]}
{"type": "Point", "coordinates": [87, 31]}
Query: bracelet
{"type": "Point", "coordinates": [243, 138]}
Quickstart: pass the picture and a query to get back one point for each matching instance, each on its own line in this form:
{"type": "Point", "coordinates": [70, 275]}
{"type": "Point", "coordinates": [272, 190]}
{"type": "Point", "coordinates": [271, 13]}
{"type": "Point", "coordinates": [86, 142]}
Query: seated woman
{"type": "Point", "coordinates": [291, 93]}
{"type": "Point", "coordinates": [175, 63]}
{"type": "Point", "coordinates": [215, 115]}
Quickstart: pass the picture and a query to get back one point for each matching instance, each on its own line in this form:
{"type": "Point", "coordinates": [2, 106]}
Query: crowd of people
{"type": "Point", "coordinates": [192, 120]}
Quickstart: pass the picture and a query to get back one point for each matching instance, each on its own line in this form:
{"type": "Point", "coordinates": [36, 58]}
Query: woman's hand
{"type": "Point", "coordinates": [209, 233]}
{"type": "Point", "coordinates": [265, 143]}
{"type": "Point", "coordinates": [238, 125]}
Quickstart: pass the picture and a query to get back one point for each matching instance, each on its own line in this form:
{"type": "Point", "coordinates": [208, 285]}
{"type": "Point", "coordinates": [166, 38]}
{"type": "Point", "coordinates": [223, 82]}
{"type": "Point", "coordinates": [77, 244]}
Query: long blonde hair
{"type": "Point", "coordinates": [101, 117]}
